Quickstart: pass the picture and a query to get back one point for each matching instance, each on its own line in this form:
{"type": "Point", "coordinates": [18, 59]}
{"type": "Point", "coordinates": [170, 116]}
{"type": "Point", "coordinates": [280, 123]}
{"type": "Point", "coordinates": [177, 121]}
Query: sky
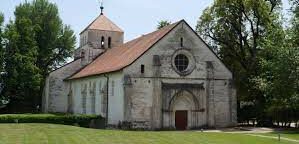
{"type": "Point", "coordinates": [135, 17]}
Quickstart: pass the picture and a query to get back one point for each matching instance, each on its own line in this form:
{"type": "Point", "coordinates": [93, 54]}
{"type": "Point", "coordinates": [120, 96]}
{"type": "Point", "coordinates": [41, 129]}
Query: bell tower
{"type": "Point", "coordinates": [102, 34]}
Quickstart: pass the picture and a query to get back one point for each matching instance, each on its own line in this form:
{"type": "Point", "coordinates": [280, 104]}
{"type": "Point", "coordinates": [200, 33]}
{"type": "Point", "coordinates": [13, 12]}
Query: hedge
{"type": "Point", "coordinates": [66, 119]}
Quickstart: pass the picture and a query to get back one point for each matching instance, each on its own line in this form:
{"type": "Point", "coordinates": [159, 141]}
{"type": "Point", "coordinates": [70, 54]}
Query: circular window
{"type": "Point", "coordinates": [181, 62]}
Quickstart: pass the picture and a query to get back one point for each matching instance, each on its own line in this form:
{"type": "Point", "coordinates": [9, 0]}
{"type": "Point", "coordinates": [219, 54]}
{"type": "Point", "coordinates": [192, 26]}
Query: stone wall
{"type": "Point", "coordinates": [92, 46]}
{"type": "Point", "coordinates": [90, 96]}
{"type": "Point", "coordinates": [56, 91]}
{"type": "Point", "coordinates": [145, 95]}
{"type": "Point", "coordinates": [117, 38]}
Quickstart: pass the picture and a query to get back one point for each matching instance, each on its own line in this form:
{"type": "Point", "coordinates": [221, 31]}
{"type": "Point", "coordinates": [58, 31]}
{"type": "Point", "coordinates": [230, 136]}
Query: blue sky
{"type": "Point", "coordinates": [135, 17]}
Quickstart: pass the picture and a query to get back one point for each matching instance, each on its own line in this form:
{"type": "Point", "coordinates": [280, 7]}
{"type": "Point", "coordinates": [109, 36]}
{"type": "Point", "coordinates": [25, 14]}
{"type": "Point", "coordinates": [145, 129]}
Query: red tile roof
{"type": "Point", "coordinates": [103, 23]}
{"type": "Point", "coordinates": [117, 58]}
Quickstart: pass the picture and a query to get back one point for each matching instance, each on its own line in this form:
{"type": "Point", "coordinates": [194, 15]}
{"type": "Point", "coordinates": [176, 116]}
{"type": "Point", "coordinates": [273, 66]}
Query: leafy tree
{"type": "Point", "coordinates": [23, 76]}
{"type": "Point", "coordinates": [2, 102]}
{"type": "Point", "coordinates": [37, 42]}
{"type": "Point", "coordinates": [280, 84]}
{"type": "Point", "coordinates": [279, 76]}
{"type": "Point", "coordinates": [162, 24]}
{"type": "Point", "coordinates": [238, 31]}
{"type": "Point", "coordinates": [1, 44]}
{"type": "Point", "coordinates": [55, 41]}
{"type": "Point", "coordinates": [285, 83]}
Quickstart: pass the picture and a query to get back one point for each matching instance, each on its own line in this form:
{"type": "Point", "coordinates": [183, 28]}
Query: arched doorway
{"type": "Point", "coordinates": [182, 105]}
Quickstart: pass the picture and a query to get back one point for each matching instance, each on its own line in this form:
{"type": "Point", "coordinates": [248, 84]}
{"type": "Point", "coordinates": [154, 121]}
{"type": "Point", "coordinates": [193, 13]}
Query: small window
{"type": "Point", "coordinates": [181, 62]}
{"type": "Point", "coordinates": [182, 42]}
{"type": "Point", "coordinates": [142, 69]}
{"type": "Point", "coordinates": [82, 54]}
{"type": "Point", "coordinates": [109, 42]}
{"type": "Point", "coordinates": [157, 61]}
{"type": "Point", "coordinates": [103, 42]}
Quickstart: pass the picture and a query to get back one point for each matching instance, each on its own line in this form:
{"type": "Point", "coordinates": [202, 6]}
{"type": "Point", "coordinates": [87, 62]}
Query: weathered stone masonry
{"type": "Point", "coordinates": [168, 79]}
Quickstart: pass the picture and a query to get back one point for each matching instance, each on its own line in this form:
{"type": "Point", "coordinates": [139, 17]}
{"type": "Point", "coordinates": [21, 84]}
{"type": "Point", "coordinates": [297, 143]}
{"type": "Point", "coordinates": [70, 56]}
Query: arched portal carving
{"type": "Point", "coordinates": [183, 97]}
{"type": "Point", "coordinates": [187, 98]}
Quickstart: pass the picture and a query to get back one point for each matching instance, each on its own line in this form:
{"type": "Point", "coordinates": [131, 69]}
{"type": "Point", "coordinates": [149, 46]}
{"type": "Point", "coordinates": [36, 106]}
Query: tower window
{"type": "Point", "coordinates": [103, 42]}
{"type": "Point", "coordinates": [109, 42]}
{"type": "Point", "coordinates": [142, 69]}
{"type": "Point", "coordinates": [182, 42]}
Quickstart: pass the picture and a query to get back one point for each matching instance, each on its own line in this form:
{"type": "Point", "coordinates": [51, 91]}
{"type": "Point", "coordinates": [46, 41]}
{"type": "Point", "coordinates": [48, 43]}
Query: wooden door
{"type": "Point", "coordinates": [181, 120]}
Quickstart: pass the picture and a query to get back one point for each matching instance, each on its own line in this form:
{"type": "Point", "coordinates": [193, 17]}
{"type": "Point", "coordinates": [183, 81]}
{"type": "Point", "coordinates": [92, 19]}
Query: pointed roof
{"type": "Point", "coordinates": [117, 58]}
{"type": "Point", "coordinates": [103, 23]}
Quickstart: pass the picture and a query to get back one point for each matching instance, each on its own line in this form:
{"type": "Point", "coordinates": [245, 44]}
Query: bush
{"type": "Point", "coordinates": [66, 119]}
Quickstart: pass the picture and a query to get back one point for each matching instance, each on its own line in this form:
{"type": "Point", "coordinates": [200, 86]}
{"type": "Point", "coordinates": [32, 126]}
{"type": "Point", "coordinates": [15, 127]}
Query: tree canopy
{"type": "Point", "coordinates": [1, 43]}
{"type": "Point", "coordinates": [248, 35]}
{"type": "Point", "coordinates": [163, 23]}
{"type": "Point", "coordinates": [37, 42]}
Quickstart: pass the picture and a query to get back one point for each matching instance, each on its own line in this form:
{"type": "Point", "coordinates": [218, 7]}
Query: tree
{"type": "Point", "coordinates": [37, 42]}
{"type": "Point", "coordinates": [23, 76]}
{"type": "Point", "coordinates": [238, 31]}
{"type": "Point", "coordinates": [279, 75]}
{"type": "Point", "coordinates": [162, 24]}
{"type": "Point", "coordinates": [55, 41]}
{"type": "Point", "coordinates": [285, 69]}
{"type": "Point", "coordinates": [3, 101]}
{"type": "Point", "coordinates": [1, 44]}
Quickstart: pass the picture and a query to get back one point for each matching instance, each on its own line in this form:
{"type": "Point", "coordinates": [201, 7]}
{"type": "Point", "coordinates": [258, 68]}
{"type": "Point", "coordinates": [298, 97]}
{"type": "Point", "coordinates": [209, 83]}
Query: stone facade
{"type": "Point", "coordinates": [93, 42]}
{"type": "Point", "coordinates": [206, 90]}
{"type": "Point", "coordinates": [179, 73]}
{"type": "Point", "coordinates": [56, 90]}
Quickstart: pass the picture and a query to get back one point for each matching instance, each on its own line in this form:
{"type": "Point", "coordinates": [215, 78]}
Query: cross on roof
{"type": "Point", "coordinates": [102, 6]}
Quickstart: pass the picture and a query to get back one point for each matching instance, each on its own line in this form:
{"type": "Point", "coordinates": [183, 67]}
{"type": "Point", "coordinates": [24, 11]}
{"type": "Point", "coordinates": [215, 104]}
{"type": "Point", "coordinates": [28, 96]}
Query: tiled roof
{"type": "Point", "coordinates": [103, 23]}
{"type": "Point", "coordinates": [117, 58]}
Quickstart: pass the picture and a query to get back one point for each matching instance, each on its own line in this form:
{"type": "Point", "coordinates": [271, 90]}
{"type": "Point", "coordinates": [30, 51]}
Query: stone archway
{"type": "Point", "coordinates": [181, 105]}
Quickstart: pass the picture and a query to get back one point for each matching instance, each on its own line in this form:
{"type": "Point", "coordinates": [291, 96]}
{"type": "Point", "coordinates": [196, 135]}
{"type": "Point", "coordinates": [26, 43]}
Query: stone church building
{"type": "Point", "coordinates": [169, 78]}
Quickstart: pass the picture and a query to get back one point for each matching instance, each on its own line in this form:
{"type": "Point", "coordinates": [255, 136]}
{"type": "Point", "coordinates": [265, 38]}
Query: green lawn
{"type": "Point", "coordinates": [291, 135]}
{"type": "Point", "coordinates": [59, 134]}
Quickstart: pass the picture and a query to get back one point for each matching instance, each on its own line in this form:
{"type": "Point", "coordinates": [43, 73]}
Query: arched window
{"type": "Point", "coordinates": [103, 42]}
{"type": "Point", "coordinates": [109, 42]}
{"type": "Point", "coordinates": [182, 42]}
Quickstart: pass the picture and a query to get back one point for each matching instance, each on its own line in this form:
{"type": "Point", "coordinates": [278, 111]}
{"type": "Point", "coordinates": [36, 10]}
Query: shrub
{"type": "Point", "coordinates": [66, 119]}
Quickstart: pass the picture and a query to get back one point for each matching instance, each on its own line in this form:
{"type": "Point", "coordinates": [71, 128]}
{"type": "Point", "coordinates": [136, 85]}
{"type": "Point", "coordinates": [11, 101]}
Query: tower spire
{"type": "Point", "coordinates": [102, 7]}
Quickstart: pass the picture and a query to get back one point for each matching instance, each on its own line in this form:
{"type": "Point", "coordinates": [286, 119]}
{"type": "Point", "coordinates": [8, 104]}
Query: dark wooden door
{"type": "Point", "coordinates": [181, 120]}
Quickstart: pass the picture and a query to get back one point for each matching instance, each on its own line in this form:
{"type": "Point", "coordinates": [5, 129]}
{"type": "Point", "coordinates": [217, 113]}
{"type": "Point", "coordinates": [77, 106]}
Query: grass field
{"type": "Point", "coordinates": [59, 134]}
{"type": "Point", "coordinates": [292, 135]}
